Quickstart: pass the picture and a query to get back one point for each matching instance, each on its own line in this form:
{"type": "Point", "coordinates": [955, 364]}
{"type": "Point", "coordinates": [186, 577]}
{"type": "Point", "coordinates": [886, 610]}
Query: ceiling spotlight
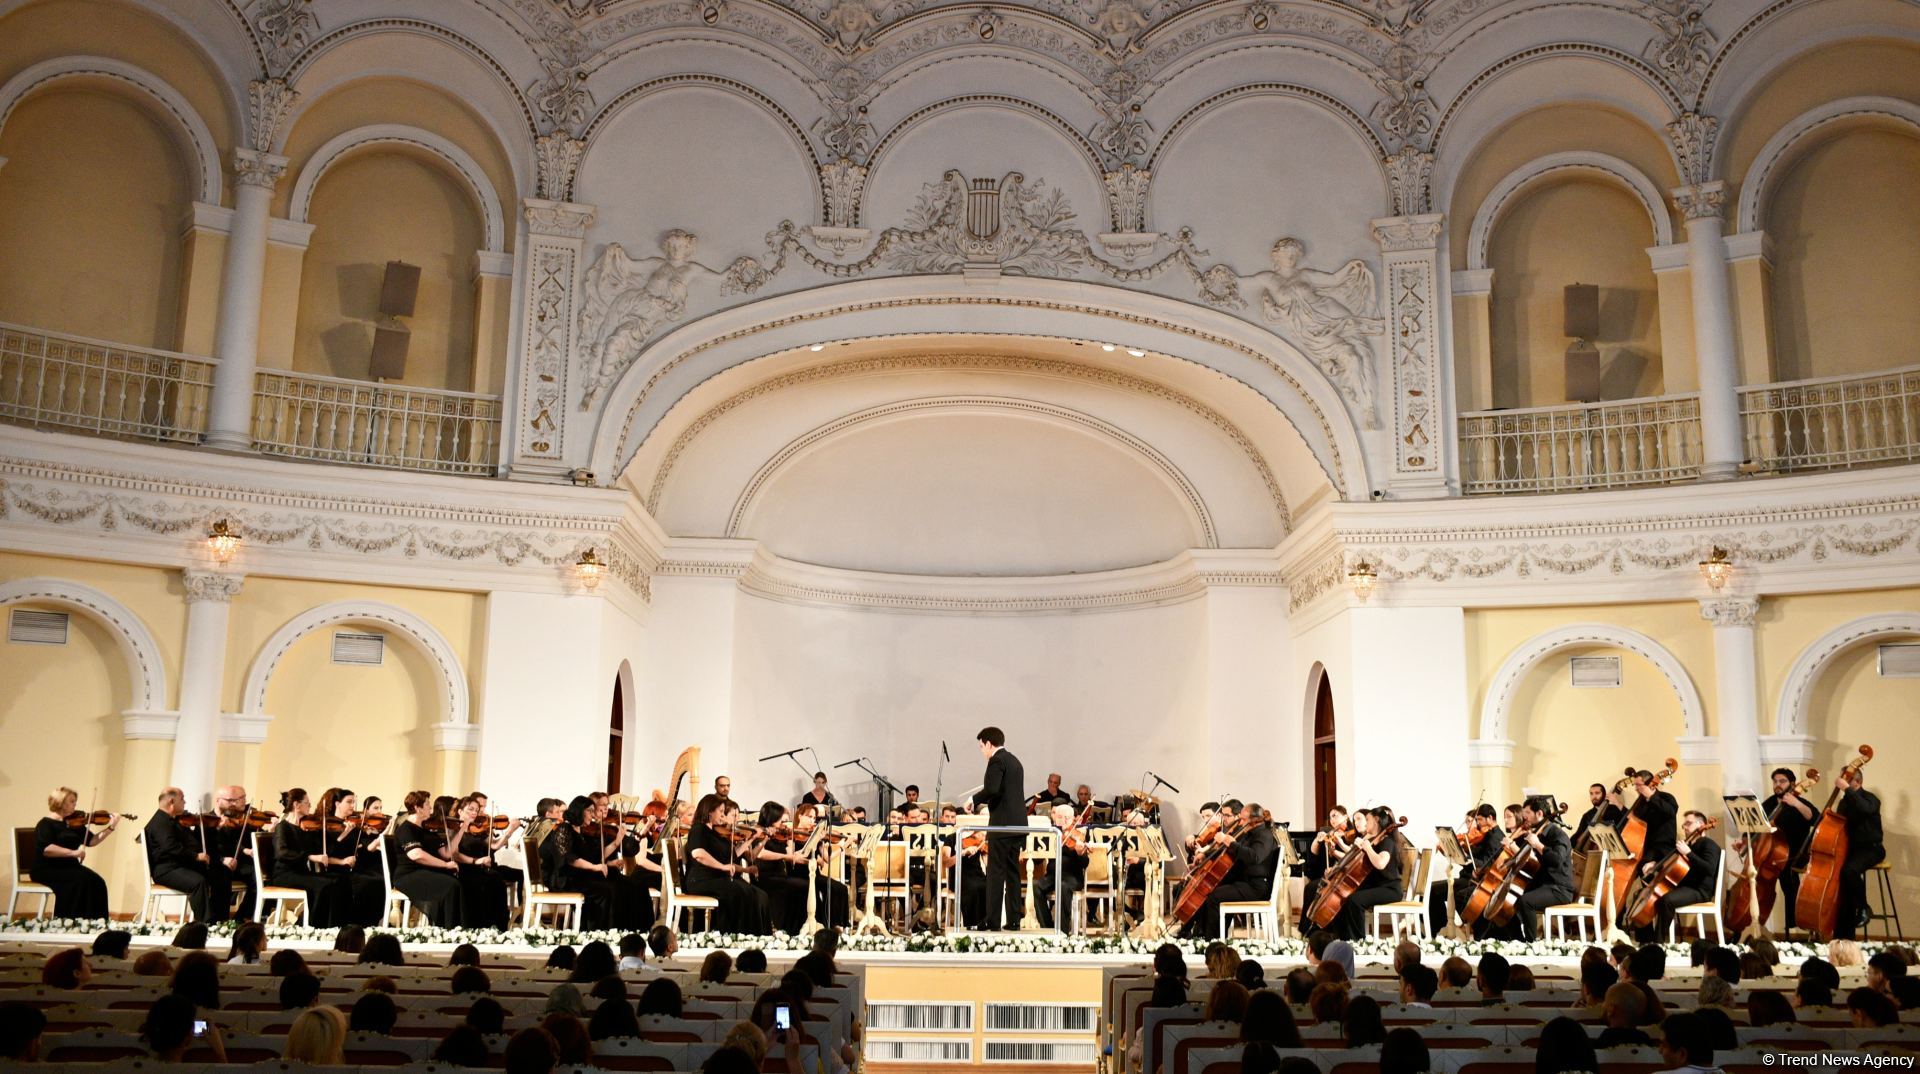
{"type": "Point", "coordinates": [818, 347]}
{"type": "Point", "coordinates": [1106, 346]}
{"type": "Point", "coordinates": [1135, 353]}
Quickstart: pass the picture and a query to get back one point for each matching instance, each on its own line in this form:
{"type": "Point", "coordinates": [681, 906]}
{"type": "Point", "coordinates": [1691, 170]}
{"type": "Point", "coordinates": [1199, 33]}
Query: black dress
{"type": "Point", "coordinates": [743, 907]}
{"type": "Point", "coordinates": [78, 891]}
{"type": "Point", "coordinates": [786, 886]}
{"type": "Point", "coordinates": [329, 899]}
{"type": "Point", "coordinates": [561, 856]}
{"type": "Point", "coordinates": [437, 892]}
{"type": "Point", "coordinates": [1381, 886]}
{"type": "Point", "coordinates": [366, 889]}
{"type": "Point", "coordinates": [483, 890]}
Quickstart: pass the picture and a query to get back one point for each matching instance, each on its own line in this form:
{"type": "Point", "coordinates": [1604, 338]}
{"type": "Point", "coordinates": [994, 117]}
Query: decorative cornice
{"type": "Point", "coordinates": [219, 587]}
{"type": "Point", "coordinates": [144, 724]}
{"type": "Point", "coordinates": [565, 220]}
{"type": "Point", "coordinates": [787, 581]}
{"type": "Point", "coordinates": [1406, 234]}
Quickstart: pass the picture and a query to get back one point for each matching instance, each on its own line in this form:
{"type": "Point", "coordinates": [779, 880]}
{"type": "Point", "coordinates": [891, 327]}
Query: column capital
{"type": "Point", "coordinates": [219, 586]}
{"type": "Point", "coordinates": [1417, 232]}
{"type": "Point", "coordinates": [251, 167]}
{"type": "Point", "coordinates": [1701, 201]}
{"type": "Point", "coordinates": [557, 158]}
{"type": "Point", "coordinates": [269, 102]}
{"type": "Point", "coordinates": [1730, 611]}
{"type": "Point", "coordinates": [1410, 179]}
{"type": "Point", "coordinates": [560, 219]}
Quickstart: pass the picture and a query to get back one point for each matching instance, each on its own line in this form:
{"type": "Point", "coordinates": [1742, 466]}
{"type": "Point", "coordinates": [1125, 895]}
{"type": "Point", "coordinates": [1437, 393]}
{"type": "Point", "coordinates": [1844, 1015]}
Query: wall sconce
{"type": "Point", "coordinates": [1717, 569]}
{"type": "Point", "coordinates": [222, 542]}
{"type": "Point", "coordinates": [589, 568]}
{"type": "Point", "coordinates": [1362, 578]}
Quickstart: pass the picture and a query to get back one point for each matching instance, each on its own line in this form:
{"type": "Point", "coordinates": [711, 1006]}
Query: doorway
{"type": "Point", "coordinates": [1326, 791]}
{"type": "Point", "coordinates": [616, 737]}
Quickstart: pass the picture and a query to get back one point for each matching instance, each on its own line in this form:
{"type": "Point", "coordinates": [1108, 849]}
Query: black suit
{"type": "Point", "coordinates": [1553, 880]}
{"type": "Point", "coordinates": [1661, 812]}
{"type": "Point", "coordinates": [1003, 792]}
{"type": "Point", "coordinates": [1250, 880]}
{"type": "Point", "coordinates": [1703, 873]}
{"type": "Point", "coordinates": [172, 859]}
{"type": "Point", "coordinates": [1866, 848]}
{"type": "Point", "coordinates": [1793, 828]}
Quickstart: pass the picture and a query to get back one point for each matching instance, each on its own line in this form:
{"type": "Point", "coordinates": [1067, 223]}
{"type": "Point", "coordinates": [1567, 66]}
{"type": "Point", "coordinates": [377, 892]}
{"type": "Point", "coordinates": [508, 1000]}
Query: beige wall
{"type": "Point", "coordinates": [1846, 232]}
{"type": "Point", "coordinates": [1577, 231]}
{"type": "Point", "coordinates": [373, 208]}
{"type": "Point", "coordinates": [1861, 68]}
{"type": "Point", "coordinates": [92, 199]}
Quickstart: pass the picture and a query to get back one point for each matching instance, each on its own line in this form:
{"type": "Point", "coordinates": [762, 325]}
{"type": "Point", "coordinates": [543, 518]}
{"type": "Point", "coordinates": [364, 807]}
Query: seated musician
{"type": "Point", "coordinates": [830, 894]}
{"type": "Point", "coordinates": [569, 861]}
{"type": "Point", "coordinates": [231, 844]}
{"type": "Point", "coordinates": [497, 842]}
{"type": "Point", "coordinates": [1049, 797]}
{"type": "Point", "coordinates": [180, 859]}
{"type": "Point", "coordinates": [425, 869]}
{"type": "Point", "coordinates": [1089, 809]}
{"type": "Point", "coordinates": [1382, 885]}
{"type": "Point", "coordinates": [1659, 811]}
{"type": "Point", "coordinates": [1553, 877]}
{"type": "Point", "coordinates": [713, 869]}
{"type": "Point", "coordinates": [912, 799]}
{"type": "Point", "coordinates": [1483, 845]}
{"type": "Point", "coordinates": [1329, 843]}
{"type": "Point", "coordinates": [1866, 848]}
{"type": "Point", "coordinates": [1250, 879]}
{"type": "Point", "coordinates": [782, 872]}
{"type": "Point", "coordinates": [1601, 813]}
{"type": "Point", "coordinates": [483, 885]}
{"type": "Point", "coordinates": [1703, 872]}
{"type": "Point", "coordinates": [1072, 874]}
{"type": "Point", "coordinates": [1208, 812]}
{"type": "Point", "coordinates": [632, 889]}
{"type": "Point", "coordinates": [971, 852]}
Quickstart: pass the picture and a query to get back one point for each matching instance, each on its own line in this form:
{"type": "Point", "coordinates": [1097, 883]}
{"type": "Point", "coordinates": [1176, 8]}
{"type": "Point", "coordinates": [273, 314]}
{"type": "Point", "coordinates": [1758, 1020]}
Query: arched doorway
{"type": "Point", "coordinates": [1326, 789]}
{"type": "Point", "coordinates": [616, 736]}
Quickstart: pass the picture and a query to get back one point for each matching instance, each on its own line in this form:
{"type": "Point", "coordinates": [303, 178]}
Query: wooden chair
{"type": "Point", "coordinates": [677, 901]}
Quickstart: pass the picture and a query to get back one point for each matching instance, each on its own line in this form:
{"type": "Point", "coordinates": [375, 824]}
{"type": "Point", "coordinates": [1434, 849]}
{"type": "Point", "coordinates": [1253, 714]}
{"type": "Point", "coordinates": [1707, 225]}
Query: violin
{"type": "Point", "coordinates": [371, 824]}
{"type": "Point", "coordinates": [80, 818]}
{"type": "Point", "coordinates": [331, 825]}
{"type": "Point", "coordinates": [201, 820]}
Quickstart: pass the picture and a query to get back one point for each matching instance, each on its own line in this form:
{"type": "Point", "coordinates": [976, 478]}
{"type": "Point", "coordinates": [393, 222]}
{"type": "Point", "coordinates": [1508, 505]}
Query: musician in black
{"type": "Point", "coordinates": [714, 869]}
{"type": "Point", "coordinates": [632, 887]}
{"type": "Point", "coordinates": [1052, 795]}
{"type": "Point", "coordinates": [832, 900]}
{"type": "Point", "coordinates": [1089, 809]}
{"type": "Point", "coordinates": [78, 891]}
{"type": "Point", "coordinates": [1383, 884]}
{"type": "Point", "coordinates": [1703, 873]}
{"type": "Point", "coordinates": [1254, 851]}
{"type": "Point", "coordinates": [1003, 792]}
{"type": "Point", "coordinates": [569, 862]}
{"type": "Point", "coordinates": [425, 869]}
{"type": "Point", "coordinates": [182, 861]}
{"type": "Point", "coordinates": [1553, 875]}
{"type": "Point", "coordinates": [1208, 812]}
{"type": "Point", "coordinates": [298, 862]}
{"type": "Point", "coordinates": [1659, 811]}
{"type": "Point", "coordinates": [1602, 813]}
{"type": "Point", "coordinates": [1329, 843]}
{"type": "Point", "coordinates": [341, 839]}
{"type": "Point", "coordinates": [781, 873]}
{"type": "Point", "coordinates": [973, 885]}
{"type": "Point", "coordinates": [1866, 848]}
{"type": "Point", "coordinates": [498, 841]}
{"type": "Point", "coordinates": [1481, 851]}
{"type": "Point", "coordinates": [483, 890]}
{"type": "Point", "coordinates": [1072, 873]}
{"type": "Point", "coordinates": [231, 843]}
{"type": "Point", "coordinates": [820, 797]}
{"type": "Point", "coordinates": [1793, 819]}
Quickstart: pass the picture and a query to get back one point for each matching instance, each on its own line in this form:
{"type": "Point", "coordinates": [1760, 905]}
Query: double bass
{"type": "Point", "coordinates": [1634, 833]}
{"type": "Point", "coordinates": [1670, 875]}
{"type": "Point", "coordinates": [1818, 907]}
{"type": "Point", "coordinates": [1751, 895]}
{"type": "Point", "coordinates": [1345, 877]}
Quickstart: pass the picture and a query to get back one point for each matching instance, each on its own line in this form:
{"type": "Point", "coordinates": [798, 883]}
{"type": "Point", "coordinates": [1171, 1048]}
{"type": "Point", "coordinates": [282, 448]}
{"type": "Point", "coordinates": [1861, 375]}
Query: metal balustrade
{"type": "Point", "coordinates": [1829, 423]}
{"type": "Point", "coordinates": [52, 380]}
{"type": "Point", "coordinates": [1620, 444]}
{"type": "Point", "coordinates": [306, 416]}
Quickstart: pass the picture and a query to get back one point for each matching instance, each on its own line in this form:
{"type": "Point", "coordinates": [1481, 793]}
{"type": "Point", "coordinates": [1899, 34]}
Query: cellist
{"type": "Point", "coordinates": [1383, 884]}
{"type": "Point", "coordinates": [1251, 878]}
{"type": "Point", "coordinates": [1866, 848]}
{"type": "Point", "coordinates": [1553, 878]}
{"type": "Point", "coordinates": [1329, 845]}
{"type": "Point", "coordinates": [1703, 872]}
{"type": "Point", "coordinates": [1483, 847]}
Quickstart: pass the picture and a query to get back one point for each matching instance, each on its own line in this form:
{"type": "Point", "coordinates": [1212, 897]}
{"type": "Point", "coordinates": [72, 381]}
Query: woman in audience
{"type": "Point", "coordinates": [66, 969]}
{"type": "Point", "coordinates": [191, 937]}
{"type": "Point", "coordinates": [1403, 1052]}
{"type": "Point", "coordinates": [1845, 953]}
{"type": "Point", "coordinates": [382, 983]}
{"type": "Point", "coordinates": [487, 1016]}
{"type": "Point", "coordinates": [730, 1061]}
{"type": "Point", "coordinates": [154, 963]}
{"type": "Point", "coordinates": [716, 967]}
{"type": "Point", "coordinates": [248, 943]}
{"type": "Point", "coordinates": [565, 998]}
{"type": "Point", "coordinates": [1170, 961]}
{"type": "Point", "coordinates": [463, 1046]}
{"type": "Point", "coordinates": [614, 987]}
{"type": "Point", "coordinates": [662, 997]}
{"type": "Point", "coordinates": [286, 962]}
{"type": "Point", "coordinates": [1362, 1024]}
{"type": "Point", "coordinates": [1259, 1057]}
{"type": "Point", "coordinates": [748, 1038]}
{"type": "Point", "coordinates": [1328, 1004]}
{"type": "Point", "coordinates": [1595, 978]}
{"type": "Point", "coordinates": [1714, 992]}
{"type": "Point", "coordinates": [752, 960]}
{"type": "Point", "coordinates": [531, 1051]}
{"type": "Point", "coordinates": [464, 955]}
{"type": "Point", "coordinates": [470, 981]}
{"type": "Point", "coordinates": [373, 1012]}
{"type": "Point", "coordinates": [382, 949]}
{"type": "Point", "coordinates": [21, 1029]}
{"type": "Point", "coordinates": [298, 991]}
{"type": "Point", "coordinates": [594, 962]}
{"type": "Point", "coordinates": [1222, 961]}
{"type": "Point", "coordinates": [571, 1045]}
{"type": "Point", "coordinates": [1340, 953]}
{"type": "Point", "coordinates": [1251, 974]}
{"type": "Point", "coordinates": [1753, 964]}
{"type": "Point", "coordinates": [1269, 1020]}
{"type": "Point", "coordinates": [1769, 1006]}
{"type": "Point", "coordinates": [318, 1037]}
{"type": "Point", "coordinates": [1564, 1047]}
{"type": "Point", "coordinates": [562, 958]}
{"type": "Point", "coordinates": [197, 977]}
{"type": "Point", "coordinates": [1167, 993]}
{"type": "Point", "coordinates": [1226, 1003]}
{"type": "Point", "coordinates": [350, 940]}
{"type": "Point", "coordinates": [613, 1018]}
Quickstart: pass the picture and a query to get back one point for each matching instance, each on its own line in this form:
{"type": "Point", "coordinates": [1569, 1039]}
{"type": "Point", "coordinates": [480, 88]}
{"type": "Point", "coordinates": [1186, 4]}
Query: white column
{"type": "Point", "coordinates": [1722, 446]}
{"type": "Point", "coordinates": [1736, 679]}
{"type": "Point", "coordinates": [202, 667]}
{"type": "Point", "coordinates": [237, 339]}
{"type": "Point", "coordinates": [1413, 411]}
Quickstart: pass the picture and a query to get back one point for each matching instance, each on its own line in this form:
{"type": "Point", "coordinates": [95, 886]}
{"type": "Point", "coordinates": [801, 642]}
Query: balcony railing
{"type": "Point", "coordinates": [51, 380]}
{"type": "Point", "coordinates": [305, 416]}
{"type": "Point", "coordinates": [1621, 444]}
{"type": "Point", "coordinates": [1833, 422]}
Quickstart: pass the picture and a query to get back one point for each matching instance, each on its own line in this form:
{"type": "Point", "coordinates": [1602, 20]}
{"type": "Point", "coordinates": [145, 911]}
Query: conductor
{"type": "Point", "coordinates": [1003, 792]}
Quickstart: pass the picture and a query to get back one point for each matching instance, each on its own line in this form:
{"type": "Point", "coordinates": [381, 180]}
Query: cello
{"type": "Point", "coordinates": [1751, 895]}
{"type": "Point", "coordinates": [1670, 875]}
{"type": "Point", "coordinates": [1209, 869]}
{"type": "Point", "coordinates": [1493, 878]}
{"type": "Point", "coordinates": [1520, 875]}
{"type": "Point", "coordinates": [1345, 877]}
{"type": "Point", "coordinates": [1818, 907]}
{"type": "Point", "coordinates": [1634, 833]}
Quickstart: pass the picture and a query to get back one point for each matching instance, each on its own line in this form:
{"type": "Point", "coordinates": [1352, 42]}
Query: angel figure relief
{"type": "Point", "coordinates": [629, 299]}
{"type": "Point", "coordinates": [1329, 315]}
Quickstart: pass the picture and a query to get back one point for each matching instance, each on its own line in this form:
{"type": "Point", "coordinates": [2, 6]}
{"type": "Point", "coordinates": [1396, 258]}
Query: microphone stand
{"type": "Point", "coordinates": [935, 875]}
{"type": "Point", "coordinates": [789, 755]}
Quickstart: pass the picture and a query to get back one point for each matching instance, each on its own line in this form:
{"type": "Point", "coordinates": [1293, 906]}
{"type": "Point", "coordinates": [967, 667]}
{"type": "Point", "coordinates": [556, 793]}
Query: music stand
{"type": "Point", "coordinates": [1615, 847]}
{"type": "Point", "coordinates": [811, 851]}
{"type": "Point", "coordinates": [1151, 844]}
{"type": "Point", "coordinates": [1750, 821]}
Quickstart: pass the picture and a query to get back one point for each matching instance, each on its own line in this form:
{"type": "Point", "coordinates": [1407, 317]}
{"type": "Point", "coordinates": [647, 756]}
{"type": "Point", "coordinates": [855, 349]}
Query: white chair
{"type": "Point", "coordinates": [567, 904]}
{"type": "Point", "coordinates": [1263, 918]}
{"type": "Point", "coordinates": [397, 900]}
{"type": "Point", "coordinates": [1411, 907]}
{"type": "Point", "coordinates": [887, 876]}
{"type": "Point", "coordinates": [679, 902]}
{"type": "Point", "coordinates": [1701, 911]}
{"type": "Point", "coordinates": [152, 908]}
{"type": "Point", "coordinates": [24, 854]}
{"type": "Point", "coordinates": [1584, 909]}
{"type": "Point", "coordinates": [264, 893]}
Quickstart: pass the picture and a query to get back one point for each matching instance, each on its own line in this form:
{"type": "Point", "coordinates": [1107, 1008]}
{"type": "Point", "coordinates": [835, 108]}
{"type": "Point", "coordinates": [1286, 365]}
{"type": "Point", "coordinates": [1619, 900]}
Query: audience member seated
{"type": "Point", "coordinates": [381, 983]}
{"type": "Point", "coordinates": [1251, 975]}
{"type": "Point", "coordinates": [1456, 972]}
{"type": "Point", "coordinates": [752, 960]}
{"type": "Point", "coordinates": [716, 968]}
{"type": "Point", "coordinates": [248, 943]}
{"type": "Point", "coordinates": [20, 1030]}
{"type": "Point", "coordinates": [1870, 1009]}
{"type": "Point", "coordinates": [298, 991]}
{"type": "Point", "coordinates": [564, 999]}
{"type": "Point", "coordinates": [382, 949]}
{"type": "Point", "coordinates": [1519, 978]}
{"type": "Point", "coordinates": [1685, 1045]}
{"type": "Point", "coordinates": [470, 981]}
{"type": "Point", "coordinates": [1222, 961]}
{"type": "Point", "coordinates": [463, 1046]}
{"type": "Point", "coordinates": [1403, 1052]}
{"type": "Point", "coordinates": [1626, 1006]}
{"type": "Point", "coordinates": [531, 1051]}
{"type": "Point", "coordinates": [613, 1018]}
{"type": "Point", "coordinates": [595, 961]}
{"type": "Point", "coordinates": [663, 942]}
{"type": "Point", "coordinates": [1812, 993]}
{"type": "Point", "coordinates": [1846, 954]}
{"type": "Point", "coordinates": [1362, 1025]}
{"type": "Point", "coordinates": [66, 969]}
{"type": "Point", "coordinates": [112, 943]}
{"type": "Point", "coordinates": [285, 962]}
{"type": "Point", "coordinates": [1328, 1004]}
{"type": "Point", "coordinates": [1769, 1006]}
{"type": "Point", "coordinates": [487, 1016]}
{"type": "Point", "coordinates": [633, 953]}
{"type": "Point", "coordinates": [1268, 1019]}
{"type": "Point", "coordinates": [606, 988]}
{"type": "Point", "coordinates": [562, 958]}
{"type": "Point", "coordinates": [350, 940]}
{"type": "Point", "coordinates": [197, 977]}
{"type": "Point", "coordinates": [1595, 978]}
{"type": "Point", "coordinates": [374, 1012]}
{"type": "Point", "coordinates": [1299, 985]}
{"type": "Point", "coordinates": [1564, 1047]}
{"type": "Point", "coordinates": [191, 937]}
{"type": "Point", "coordinates": [729, 1061]}
{"type": "Point", "coordinates": [464, 955]}
{"type": "Point", "coordinates": [1226, 1003]}
{"type": "Point", "coordinates": [1491, 978]}
{"type": "Point", "coordinates": [318, 1036]}
{"type": "Point", "coordinates": [661, 996]}
{"type": "Point", "coordinates": [1417, 985]}
{"type": "Point", "coordinates": [571, 1045]}
{"type": "Point", "coordinates": [1714, 992]}
{"type": "Point", "coordinates": [154, 963]}
{"type": "Point", "coordinates": [169, 1030]}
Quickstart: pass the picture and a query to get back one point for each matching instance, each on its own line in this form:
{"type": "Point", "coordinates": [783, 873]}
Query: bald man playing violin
{"type": "Point", "coordinates": [184, 860]}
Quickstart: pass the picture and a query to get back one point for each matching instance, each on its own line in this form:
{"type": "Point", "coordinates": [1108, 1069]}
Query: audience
{"type": "Point", "coordinates": [382, 949]}
{"type": "Point", "coordinates": [1883, 970]}
{"type": "Point", "coordinates": [21, 1027]}
{"type": "Point", "coordinates": [1596, 976]}
{"type": "Point", "coordinates": [716, 967]}
{"type": "Point", "coordinates": [1870, 1009]}
{"type": "Point", "coordinates": [350, 940]}
{"type": "Point", "coordinates": [373, 1012]}
{"type": "Point", "coordinates": [752, 960]}
{"type": "Point", "coordinates": [1222, 961]}
{"type": "Point", "coordinates": [1846, 954]}
{"type": "Point", "coordinates": [286, 961]}
{"type": "Point", "coordinates": [191, 937]}
{"type": "Point", "coordinates": [1714, 992]}
{"type": "Point", "coordinates": [487, 1016]}
{"type": "Point", "coordinates": [1268, 1019]}
{"type": "Point", "coordinates": [463, 1046]}
{"type": "Point", "coordinates": [1251, 975]}
{"type": "Point", "coordinates": [169, 1030]}
{"type": "Point", "coordinates": [197, 977]}
{"type": "Point", "coordinates": [661, 996]}
{"type": "Point", "coordinates": [1403, 1052]}
{"type": "Point", "coordinates": [571, 1045]}
{"type": "Point", "coordinates": [1624, 1010]}
{"type": "Point", "coordinates": [611, 987]}
{"type": "Point", "coordinates": [470, 981]}
{"type": "Point", "coordinates": [298, 991]}
{"type": "Point", "coordinates": [112, 943]}
{"type": "Point", "coordinates": [1519, 978]}
{"type": "Point", "coordinates": [464, 955]}
{"type": "Point", "coordinates": [1405, 953]}
{"type": "Point", "coordinates": [1767, 1006]}
{"type": "Point", "coordinates": [1328, 1004]}
{"type": "Point", "coordinates": [318, 1036]}
{"type": "Point", "coordinates": [66, 969]}
{"type": "Point", "coordinates": [562, 958]}
{"type": "Point", "coordinates": [1685, 1044]}
{"type": "Point", "coordinates": [1417, 986]}
{"type": "Point", "coordinates": [1299, 985]}
{"type": "Point", "coordinates": [564, 998]}
{"type": "Point", "coordinates": [154, 963]}
{"type": "Point", "coordinates": [595, 961]}
{"type": "Point", "coordinates": [613, 1018]}
{"type": "Point", "coordinates": [662, 941]}
{"type": "Point", "coordinates": [531, 1051]}
{"type": "Point", "coordinates": [1226, 1003]}
{"type": "Point", "coordinates": [1565, 1047]}
{"type": "Point", "coordinates": [1491, 977]}
{"type": "Point", "coordinates": [633, 953]}
{"type": "Point", "coordinates": [1456, 972]}
{"type": "Point", "coordinates": [1362, 1024]}
{"type": "Point", "coordinates": [248, 942]}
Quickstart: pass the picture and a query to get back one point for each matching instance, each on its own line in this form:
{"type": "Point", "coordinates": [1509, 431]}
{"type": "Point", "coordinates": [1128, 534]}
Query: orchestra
{"type": "Point", "coordinates": [800, 867]}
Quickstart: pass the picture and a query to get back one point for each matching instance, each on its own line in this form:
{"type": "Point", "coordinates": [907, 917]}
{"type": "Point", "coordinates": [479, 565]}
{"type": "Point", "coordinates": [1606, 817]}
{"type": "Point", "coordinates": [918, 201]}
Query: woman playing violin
{"type": "Point", "coordinates": [341, 838]}
{"type": "Point", "coordinates": [376, 835]}
{"type": "Point", "coordinates": [499, 840]}
{"type": "Point", "coordinates": [633, 899]}
{"type": "Point", "coordinates": [483, 891]}
{"type": "Point", "coordinates": [830, 894]}
{"type": "Point", "coordinates": [300, 862]}
{"type": "Point", "coordinates": [571, 861]}
{"type": "Point", "coordinates": [62, 844]}
{"type": "Point", "coordinates": [712, 868]}
{"type": "Point", "coordinates": [781, 870]}
{"type": "Point", "coordinates": [971, 850]}
{"type": "Point", "coordinates": [426, 870]}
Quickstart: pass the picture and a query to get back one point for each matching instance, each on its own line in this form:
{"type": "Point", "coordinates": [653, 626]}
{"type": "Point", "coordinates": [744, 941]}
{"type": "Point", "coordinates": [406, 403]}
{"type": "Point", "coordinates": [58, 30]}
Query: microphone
{"type": "Point", "coordinates": [848, 764]}
{"type": "Point", "coordinates": [777, 756]}
{"type": "Point", "coordinates": [1169, 786]}
{"type": "Point", "coordinates": [944, 755]}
